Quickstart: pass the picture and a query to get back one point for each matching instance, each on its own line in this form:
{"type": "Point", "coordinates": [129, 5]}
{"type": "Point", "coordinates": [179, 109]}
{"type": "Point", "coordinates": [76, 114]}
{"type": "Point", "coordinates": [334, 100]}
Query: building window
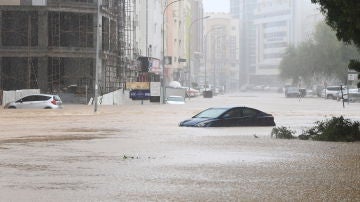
{"type": "Point", "coordinates": [276, 45]}
{"type": "Point", "coordinates": [275, 34]}
{"type": "Point", "coordinates": [273, 55]}
{"type": "Point", "coordinates": [275, 24]}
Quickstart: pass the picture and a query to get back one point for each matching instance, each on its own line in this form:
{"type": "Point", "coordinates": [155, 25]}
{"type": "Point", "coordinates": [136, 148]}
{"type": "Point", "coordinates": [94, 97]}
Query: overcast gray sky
{"type": "Point", "coordinates": [217, 6]}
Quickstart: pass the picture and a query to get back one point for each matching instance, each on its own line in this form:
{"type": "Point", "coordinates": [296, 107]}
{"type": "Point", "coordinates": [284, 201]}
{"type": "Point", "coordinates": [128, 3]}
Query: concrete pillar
{"type": "Point", "coordinates": [1, 81]}
{"type": "Point", "coordinates": [43, 45]}
{"type": "Point", "coordinates": [99, 64]}
{"type": "Point", "coordinates": [43, 37]}
{"type": "Point", "coordinates": [1, 73]}
{"type": "Point", "coordinates": [43, 74]}
{"type": "Point", "coordinates": [0, 28]}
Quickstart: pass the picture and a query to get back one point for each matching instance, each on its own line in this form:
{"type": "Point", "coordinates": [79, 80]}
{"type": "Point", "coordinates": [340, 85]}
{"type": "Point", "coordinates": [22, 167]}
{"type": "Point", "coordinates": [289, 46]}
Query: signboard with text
{"type": "Point", "coordinates": [352, 77]}
{"type": "Point", "coordinates": [140, 94]}
{"type": "Point", "coordinates": [154, 65]}
{"type": "Point", "coordinates": [155, 89]}
{"type": "Point", "coordinates": [137, 85]}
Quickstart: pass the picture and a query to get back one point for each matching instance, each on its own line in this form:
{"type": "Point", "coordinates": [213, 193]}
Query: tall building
{"type": "Point", "coordinates": [148, 40]}
{"type": "Point", "coordinates": [235, 8]}
{"type": "Point", "coordinates": [279, 24]}
{"type": "Point", "coordinates": [149, 21]}
{"type": "Point", "coordinates": [196, 40]}
{"type": "Point", "coordinates": [267, 28]}
{"type": "Point", "coordinates": [183, 40]}
{"type": "Point", "coordinates": [245, 11]}
{"type": "Point", "coordinates": [222, 44]}
{"type": "Point", "coordinates": [175, 40]}
{"type": "Point", "coordinates": [51, 44]}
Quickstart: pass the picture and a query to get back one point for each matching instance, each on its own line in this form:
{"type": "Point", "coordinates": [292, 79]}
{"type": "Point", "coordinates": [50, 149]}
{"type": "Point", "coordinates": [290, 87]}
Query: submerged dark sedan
{"type": "Point", "coordinates": [229, 116]}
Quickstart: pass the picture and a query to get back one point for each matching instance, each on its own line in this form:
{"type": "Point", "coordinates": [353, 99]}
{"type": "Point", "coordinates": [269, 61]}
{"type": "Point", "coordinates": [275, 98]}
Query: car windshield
{"type": "Point", "coordinates": [211, 113]}
{"type": "Point", "coordinates": [293, 89]}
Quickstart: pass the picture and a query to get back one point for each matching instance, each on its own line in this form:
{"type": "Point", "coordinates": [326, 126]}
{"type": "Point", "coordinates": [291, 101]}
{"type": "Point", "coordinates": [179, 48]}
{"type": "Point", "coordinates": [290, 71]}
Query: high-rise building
{"type": "Point", "coordinates": [196, 39]}
{"type": "Point", "coordinates": [183, 40]}
{"type": "Point", "coordinates": [235, 8]}
{"type": "Point", "coordinates": [149, 21]}
{"type": "Point", "coordinates": [245, 11]}
{"type": "Point", "coordinates": [267, 28]}
{"type": "Point", "coordinates": [279, 24]}
{"type": "Point", "coordinates": [222, 52]}
{"type": "Point", "coordinates": [175, 35]}
{"type": "Point", "coordinates": [148, 41]}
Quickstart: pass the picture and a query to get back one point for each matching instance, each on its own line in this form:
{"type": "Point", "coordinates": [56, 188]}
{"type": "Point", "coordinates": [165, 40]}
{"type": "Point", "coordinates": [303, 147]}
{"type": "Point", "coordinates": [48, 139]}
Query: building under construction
{"type": "Point", "coordinates": [51, 44]}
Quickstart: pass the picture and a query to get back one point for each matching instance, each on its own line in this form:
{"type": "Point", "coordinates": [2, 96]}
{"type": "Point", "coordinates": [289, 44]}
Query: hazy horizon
{"type": "Point", "coordinates": [215, 6]}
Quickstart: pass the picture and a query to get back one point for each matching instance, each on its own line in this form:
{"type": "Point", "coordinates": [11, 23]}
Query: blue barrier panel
{"type": "Point", "coordinates": [140, 94]}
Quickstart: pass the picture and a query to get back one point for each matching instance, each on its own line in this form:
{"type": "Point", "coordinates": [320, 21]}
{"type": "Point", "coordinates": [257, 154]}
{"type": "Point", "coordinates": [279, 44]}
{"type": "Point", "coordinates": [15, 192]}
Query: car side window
{"type": "Point", "coordinates": [233, 113]}
{"type": "Point", "coordinates": [29, 98]}
{"type": "Point", "coordinates": [249, 112]}
{"type": "Point", "coordinates": [43, 98]}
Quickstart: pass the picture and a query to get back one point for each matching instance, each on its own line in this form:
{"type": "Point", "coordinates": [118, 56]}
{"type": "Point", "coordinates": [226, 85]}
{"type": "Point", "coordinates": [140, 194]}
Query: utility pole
{"type": "Point", "coordinates": [29, 59]}
{"type": "Point", "coordinates": [98, 59]}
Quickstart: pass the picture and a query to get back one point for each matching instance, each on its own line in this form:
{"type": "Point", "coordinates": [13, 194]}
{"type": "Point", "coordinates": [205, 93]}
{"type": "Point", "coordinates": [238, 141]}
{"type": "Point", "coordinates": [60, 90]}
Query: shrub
{"type": "Point", "coordinates": [336, 129]}
{"type": "Point", "coordinates": [282, 133]}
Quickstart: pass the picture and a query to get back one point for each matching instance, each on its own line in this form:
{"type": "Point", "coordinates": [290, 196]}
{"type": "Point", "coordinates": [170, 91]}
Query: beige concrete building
{"type": "Point", "coordinates": [183, 40]}
{"type": "Point", "coordinates": [175, 40]}
{"type": "Point", "coordinates": [222, 52]}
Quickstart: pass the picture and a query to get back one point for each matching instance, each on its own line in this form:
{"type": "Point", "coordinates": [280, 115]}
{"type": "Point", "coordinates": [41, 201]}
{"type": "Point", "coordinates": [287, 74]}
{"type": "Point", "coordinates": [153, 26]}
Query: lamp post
{"type": "Point", "coordinates": [163, 50]}
{"type": "Point", "coordinates": [189, 47]}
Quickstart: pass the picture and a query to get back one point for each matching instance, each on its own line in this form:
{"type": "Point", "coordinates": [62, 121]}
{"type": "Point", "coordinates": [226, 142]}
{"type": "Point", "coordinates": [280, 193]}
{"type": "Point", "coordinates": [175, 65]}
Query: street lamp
{"type": "Point", "coordinates": [189, 49]}
{"type": "Point", "coordinates": [163, 50]}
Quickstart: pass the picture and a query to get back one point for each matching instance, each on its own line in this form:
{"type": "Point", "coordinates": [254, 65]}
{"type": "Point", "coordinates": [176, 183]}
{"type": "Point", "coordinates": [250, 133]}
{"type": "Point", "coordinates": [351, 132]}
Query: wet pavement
{"type": "Point", "coordinates": [138, 153]}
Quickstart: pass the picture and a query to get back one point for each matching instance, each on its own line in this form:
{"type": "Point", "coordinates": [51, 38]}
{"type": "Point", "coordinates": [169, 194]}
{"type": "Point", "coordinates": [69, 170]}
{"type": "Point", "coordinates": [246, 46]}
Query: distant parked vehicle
{"type": "Point", "coordinates": [38, 101]}
{"type": "Point", "coordinates": [354, 95]}
{"type": "Point", "coordinates": [291, 91]}
{"type": "Point", "coordinates": [331, 92]}
{"type": "Point", "coordinates": [190, 92]}
{"type": "Point", "coordinates": [208, 94]}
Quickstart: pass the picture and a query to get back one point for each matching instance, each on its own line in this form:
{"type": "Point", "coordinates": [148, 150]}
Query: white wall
{"type": "Point", "coordinates": [149, 24]}
{"type": "Point", "coordinates": [10, 96]}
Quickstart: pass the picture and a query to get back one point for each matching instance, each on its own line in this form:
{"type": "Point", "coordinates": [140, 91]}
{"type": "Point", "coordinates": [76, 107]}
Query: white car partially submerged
{"type": "Point", "coordinates": [38, 101]}
{"type": "Point", "coordinates": [175, 100]}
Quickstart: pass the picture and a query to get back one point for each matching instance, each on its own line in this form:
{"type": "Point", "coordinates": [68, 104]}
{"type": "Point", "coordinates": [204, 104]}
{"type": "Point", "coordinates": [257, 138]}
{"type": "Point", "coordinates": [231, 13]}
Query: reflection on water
{"type": "Point", "coordinates": [76, 155]}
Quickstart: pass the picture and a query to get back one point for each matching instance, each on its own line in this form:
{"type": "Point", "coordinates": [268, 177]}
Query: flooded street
{"type": "Point", "coordinates": [138, 153]}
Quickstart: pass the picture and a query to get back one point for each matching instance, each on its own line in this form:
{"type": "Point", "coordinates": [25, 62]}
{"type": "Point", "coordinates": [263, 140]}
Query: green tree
{"type": "Point", "coordinates": [324, 55]}
{"type": "Point", "coordinates": [343, 17]}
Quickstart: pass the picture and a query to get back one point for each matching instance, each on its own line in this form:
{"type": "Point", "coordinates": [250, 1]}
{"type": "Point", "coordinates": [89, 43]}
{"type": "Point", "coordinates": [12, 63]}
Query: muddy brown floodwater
{"type": "Point", "coordinates": [138, 153]}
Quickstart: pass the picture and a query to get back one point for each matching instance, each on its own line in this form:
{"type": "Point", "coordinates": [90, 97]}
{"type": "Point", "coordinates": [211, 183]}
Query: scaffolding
{"type": "Point", "coordinates": [129, 44]}
{"type": "Point", "coordinates": [69, 30]}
